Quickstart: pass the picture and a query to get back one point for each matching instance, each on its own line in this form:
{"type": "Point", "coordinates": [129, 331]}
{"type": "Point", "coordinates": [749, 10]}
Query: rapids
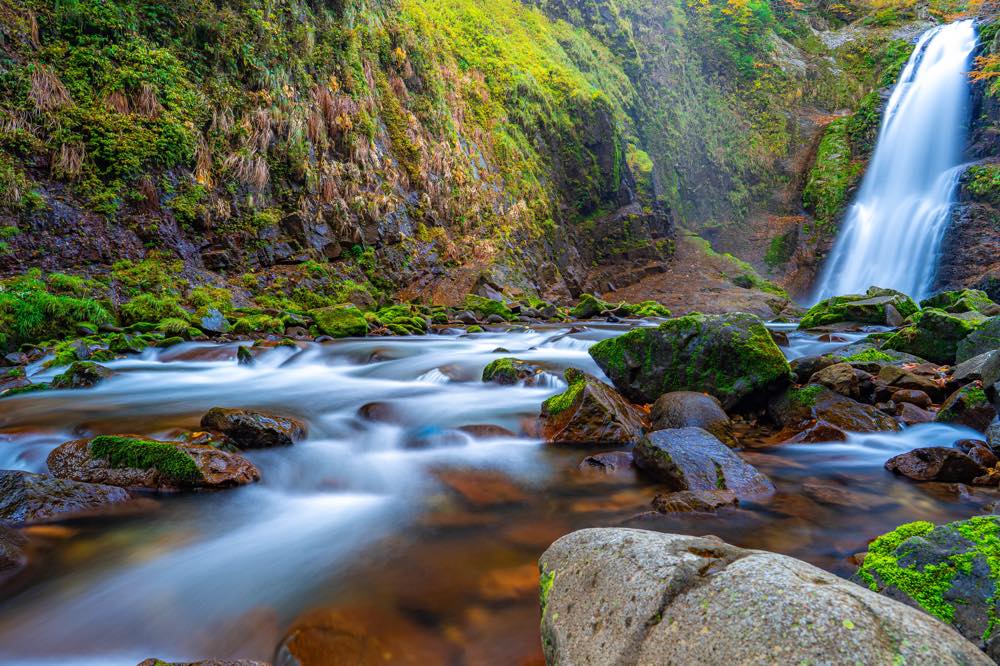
{"type": "Point", "coordinates": [419, 524]}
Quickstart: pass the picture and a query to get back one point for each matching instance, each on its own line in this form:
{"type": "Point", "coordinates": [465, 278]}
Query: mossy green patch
{"type": "Point", "coordinates": [562, 401]}
{"type": "Point", "coordinates": [130, 452]}
{"type": "Point", "coordinates": [869, 356]}
{"type": "Point", "coordinates": [833, 174]}
{"type": "Point", "coordinates": [340, 321]}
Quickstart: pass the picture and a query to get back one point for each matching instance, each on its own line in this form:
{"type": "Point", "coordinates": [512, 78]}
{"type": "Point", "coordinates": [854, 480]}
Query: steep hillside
{"type": "Point", "coordinates": [426, 149]}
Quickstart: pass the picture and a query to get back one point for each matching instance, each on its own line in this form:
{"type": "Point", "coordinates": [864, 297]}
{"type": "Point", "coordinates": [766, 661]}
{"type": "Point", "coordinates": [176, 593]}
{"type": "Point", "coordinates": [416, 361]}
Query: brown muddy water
{"type": "Point", "coordinates": [407, 530]}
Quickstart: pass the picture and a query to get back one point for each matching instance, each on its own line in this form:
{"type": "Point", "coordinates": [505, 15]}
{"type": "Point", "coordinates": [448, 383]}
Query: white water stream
{"type": "Point", "coordinates": [892, 234]}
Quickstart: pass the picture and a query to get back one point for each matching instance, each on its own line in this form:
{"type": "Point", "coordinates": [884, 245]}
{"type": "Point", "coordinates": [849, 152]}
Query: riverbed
{"type": "Point", "coordinates": [417, 507]}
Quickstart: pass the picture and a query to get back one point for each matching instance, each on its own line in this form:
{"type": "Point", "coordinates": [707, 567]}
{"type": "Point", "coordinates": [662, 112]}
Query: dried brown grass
{"type": "Point", "coordinates": [47, 91]}
{"type": "Point", "coordinates": [68, 161]}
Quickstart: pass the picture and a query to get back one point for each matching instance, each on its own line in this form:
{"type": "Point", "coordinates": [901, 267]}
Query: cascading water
{"type": "Point", "coordinates": [893, 230]}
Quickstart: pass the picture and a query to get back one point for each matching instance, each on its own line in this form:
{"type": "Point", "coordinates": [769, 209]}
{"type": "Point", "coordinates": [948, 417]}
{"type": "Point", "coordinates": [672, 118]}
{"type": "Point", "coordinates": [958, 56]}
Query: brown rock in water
{"type": "Point", "coordinates": [590, 412]}
{"type": "Point", "coordinates": [481, 488]}
{"type": "Point", "coordinates": [817, 413]}
{"type": "Point", "coordinates": [694, 501]}
{"type": "Point", "coordinates": [983, 456]}
{"type": "Point", "coordinates": [610, 462]}
{"type": "Point", "coordinates": [843, 378]}
{"type": "Point", "coordinates": [361, 636]}
{"type": "Point", "coordinates": [27, 498]}
{"type": "Point", "coordinates": [692, 459]}
{"type": "Point", "coordinates": [688, 409]}
{"type": "Point", "coordinates": [12, 556]}
{"type": "Point", "coordinates": [171, 465]}
{"type": "Point", "coordinates": [254, 430]}
{"type": "Point", "coordinates": [487, 431]}
{"type": "Point", "coordinates": [913, 397]}
{"type": "Point", "coordinates": [936, 463]}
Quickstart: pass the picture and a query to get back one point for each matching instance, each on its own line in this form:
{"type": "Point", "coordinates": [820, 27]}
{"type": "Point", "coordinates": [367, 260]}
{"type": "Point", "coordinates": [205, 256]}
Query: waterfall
{"type": "Point", "coordinates": [892, 233]}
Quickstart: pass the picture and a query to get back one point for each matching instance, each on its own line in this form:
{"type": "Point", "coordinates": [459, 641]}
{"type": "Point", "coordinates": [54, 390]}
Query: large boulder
{"type": "Point", "coordinates": [935, 335]}
{"type": "Point", "coordinates": [625, 596]}
{"type": "Point", "coordinates": [968, 406]}
{"type": "Point", "coordinates": [692, 459]}
{"type": "Point", "coordinates": [732, 357]}
{"type": "Point", "coordinates": [250, 429]}
{"type": "Point", "coordinates": [985, 338]}
{"type": "Point", "coordinates": [590, 412]}
{"type": "Point", "coordinates": [134, 462]}
{"type": "Point", "coordinates": [949, 571]}
{"type": "Point", "coordinates": [815, 413]}
{"type": "Point", "coordinates": [27, 498]}
{"type": "Point", "coordinates": [936, 463]}
{"type": "Point", "coordinates": [687, 409]}
{"type": "Point", "coordinates": [876, 306]}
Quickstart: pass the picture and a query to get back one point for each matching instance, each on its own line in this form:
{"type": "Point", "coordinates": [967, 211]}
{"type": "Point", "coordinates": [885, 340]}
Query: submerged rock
{"type": "Point", "coordinates": [12, 556]}
{"type": "Point", "coordinates": [625, 596]}
{"type": "Point", "coordinates": [692, 459]}
{"type": "Point", "coordinates": [876, 306]}
{"type": "Point", "coordinates": [694, 501]}
{"type": "Point", "coordinates": [610, 462]}
{"type": "Point", "coordinates": [968, 406]}
{"type": "Point", "coordinates": [948, 571]}
{"type": "Point", "coordinates": [590, 412]}
{"type": "Point", "coordinates": [687, 409]}
{"type": "Point", "coordinates": [206, 662]}
{"type": "Point", "coordinates": [134, 462]}
{"type": "Point", "coordinates": [936, 463]}
{"type": "Point", "coordinates": [731, 357]}
{"type": "Point", "coordinates": [254, 430]}
{"type": "Point", "coordinates": [27, 498]}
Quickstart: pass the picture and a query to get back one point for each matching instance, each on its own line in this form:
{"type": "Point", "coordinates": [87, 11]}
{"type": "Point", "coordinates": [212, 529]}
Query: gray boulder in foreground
{"type": "Point", "coordinates": [621, 596]}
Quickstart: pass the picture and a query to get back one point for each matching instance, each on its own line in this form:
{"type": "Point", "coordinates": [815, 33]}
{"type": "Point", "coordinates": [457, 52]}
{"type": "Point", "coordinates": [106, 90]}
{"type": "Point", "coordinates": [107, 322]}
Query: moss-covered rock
{"type": "Point", "coordinates": [869, 308]}
{"type": "Point", "coordinates": [403, 319]}
{"type": "Point", "coordinates": [484, 307]}
{"type": "Point", "coordinates": [951, 571]}
{"type": "Point", "coordinates": [985, 338]}
{"type": "Point", "coordinates": [966, 300]}
{"type": "Point", "coordinates": [509, 371]}
{"type": "Point", "coordinates": [130, 461]}
{"type": "Point", "coordinates": [968, 406]}
{"type": "Point", "coordinates": [935, 335]}
{"type": "Point", "coordinates": [340, 321]}
{"type": "Point", "coordinates": [814, 413]}
{"type": "Point", "coordinates": [81, 374]}
{"type": "Point", "coordinates": [590, 306]}
{"type": "Point", "coordinates": [731, 357]}
{"type": "Point", "coordinates": [833, 174]}
{"type": "Point", "coordinates": [590, 412]}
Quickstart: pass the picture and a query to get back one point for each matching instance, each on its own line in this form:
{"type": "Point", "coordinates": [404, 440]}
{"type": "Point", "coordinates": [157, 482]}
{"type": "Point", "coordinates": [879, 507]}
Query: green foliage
{"type": "Point", "coordinates": [869, 356]}
{"type": "Point", "coordinates": [833, 174]}
{"type": "Point", "coordinates": [781, 248]}
{"type": "Point", "coordinates": [155, 275]}
{"type": "Point", "coordinates": [30, 314]}
{"type": "Point", "coordinates": [135, 453]}
{"type": "Point", "coordinates": [983, 182]}
{"type": "Point", "coordinates": [150, 308]}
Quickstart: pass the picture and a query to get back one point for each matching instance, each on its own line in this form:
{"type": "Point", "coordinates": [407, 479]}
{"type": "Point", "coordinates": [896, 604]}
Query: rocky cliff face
{"type": "Point", "coordinates": [429, 148]}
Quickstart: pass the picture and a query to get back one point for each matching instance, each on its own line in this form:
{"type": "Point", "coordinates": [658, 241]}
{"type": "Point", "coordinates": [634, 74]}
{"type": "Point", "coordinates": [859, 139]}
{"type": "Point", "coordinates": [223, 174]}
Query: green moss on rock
{"type": "Point", "coordinates": [732, 357]}
{"type": "Point", "coordinates": [340, 321]}
{"type": "Point", "coordinates": [869, 308]}
{"type": "Point", "coordinates": [146, 454]}
{"type": "Point", "coordinates": [562, 401]}
{"type": "Point", "coordinates": [833, 174]}
{"type": "Point", "coordinates": [934, 334]}
{"type": "Point", "coordinates": [966, 300]}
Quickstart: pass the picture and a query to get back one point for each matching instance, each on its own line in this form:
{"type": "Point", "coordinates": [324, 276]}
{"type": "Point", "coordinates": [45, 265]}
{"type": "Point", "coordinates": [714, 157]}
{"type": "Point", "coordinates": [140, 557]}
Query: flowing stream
{"type": "Point", "coordinates": [407, 522]}
{"type": "Point", "coordinates": [891, 236]}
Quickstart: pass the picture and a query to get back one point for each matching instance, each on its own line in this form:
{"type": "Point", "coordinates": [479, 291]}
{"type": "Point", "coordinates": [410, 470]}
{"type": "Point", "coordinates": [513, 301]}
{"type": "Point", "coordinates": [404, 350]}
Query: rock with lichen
{"type": "Point", "coordinates": [731, 357]}
{"type": "Point", "coordinates": [590, 412]}
{"type": "Point", "coordinates": [626, 596]}
{"type": "Point", "coordinates": [949, 571]}
{"type": "Point", "coordinates": [81, 374]}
